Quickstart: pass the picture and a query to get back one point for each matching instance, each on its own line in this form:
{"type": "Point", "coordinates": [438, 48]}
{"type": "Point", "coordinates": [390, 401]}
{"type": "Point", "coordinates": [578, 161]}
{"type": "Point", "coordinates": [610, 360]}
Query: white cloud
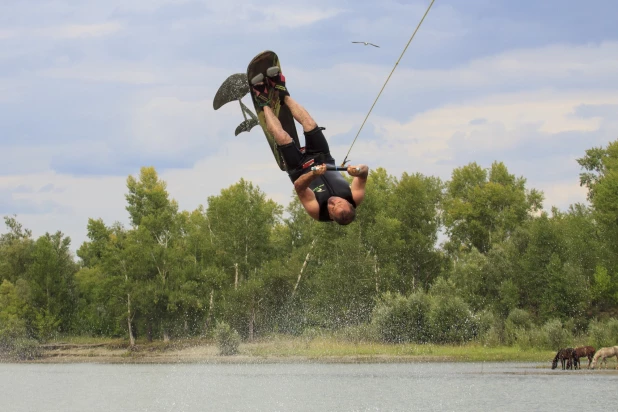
{"type": "Point", "coordinates": [291, 16]}
{"type": "Point", "coordinates": [7, 34]}
{"type": "Point", "coordinates": [509, 117]}
{"type": "Point", "coordinates": [171, 112]}
{"type": "Point", "coordinates": [73, 31]}
{"type": "Point", "coordinates": [63, 32]}
{"type": "Point", "coordinates": [563, 66]}
{"type": "Point", "coordinates": [170, 126]}
{"type": "Point", "coordinates": [74, 200]}
{"type": "Point", "coordinates": [106, 72]}
{"type": "Point", "coordinates": [562, 193]}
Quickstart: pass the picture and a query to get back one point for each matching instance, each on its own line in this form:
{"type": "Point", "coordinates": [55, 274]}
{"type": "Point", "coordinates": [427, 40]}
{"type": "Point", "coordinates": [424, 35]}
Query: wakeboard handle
{"type": "Point", "coordinates": [337, 168]}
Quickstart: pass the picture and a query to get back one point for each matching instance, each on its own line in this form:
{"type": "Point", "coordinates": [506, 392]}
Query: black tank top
{"type": "Point", "coordinates": [330, 184]}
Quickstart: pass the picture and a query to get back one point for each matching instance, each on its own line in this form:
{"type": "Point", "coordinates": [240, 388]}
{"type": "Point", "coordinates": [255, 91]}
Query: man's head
{"type": "Point", "coordinates": [340, 210]}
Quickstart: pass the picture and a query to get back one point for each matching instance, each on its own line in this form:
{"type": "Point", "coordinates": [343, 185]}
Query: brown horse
{"type": "Point", "coordinates": [584, 352]}
{"type": "Point", "coordinates": [605, 353]}
{"type": "Point", "coordinates": [567, 357]}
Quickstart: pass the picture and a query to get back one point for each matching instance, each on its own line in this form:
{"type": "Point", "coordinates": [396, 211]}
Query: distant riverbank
{"type": "Point", "coordinates": [278, 349]}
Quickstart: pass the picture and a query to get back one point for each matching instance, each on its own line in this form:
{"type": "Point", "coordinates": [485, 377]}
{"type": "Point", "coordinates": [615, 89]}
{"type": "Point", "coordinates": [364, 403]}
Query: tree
{"type": "Point", "coordinates": [51, 277]}
{"type": "Point", "coordinates": [15, 250]}
{"type": "Point", "coordinates": [601, 179]}
{"type": "Point", "coordinates": [483, 207]}
{"type": "Point", "coordinates": [241, 220]}
{"type": "Point", "coordinates": [155, 230]}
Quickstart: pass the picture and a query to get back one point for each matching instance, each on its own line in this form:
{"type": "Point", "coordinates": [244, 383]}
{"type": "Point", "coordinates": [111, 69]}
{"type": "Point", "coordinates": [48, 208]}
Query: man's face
{"type": "Point", "coordinates": [338, 206]}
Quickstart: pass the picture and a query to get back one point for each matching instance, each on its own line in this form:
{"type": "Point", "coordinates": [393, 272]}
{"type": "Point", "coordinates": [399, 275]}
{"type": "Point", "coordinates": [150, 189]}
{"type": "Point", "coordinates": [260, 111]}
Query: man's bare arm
{"type": "Point", "coordinates": [306, 195]}
{"type": "Point", "coordinates": [360, 174]}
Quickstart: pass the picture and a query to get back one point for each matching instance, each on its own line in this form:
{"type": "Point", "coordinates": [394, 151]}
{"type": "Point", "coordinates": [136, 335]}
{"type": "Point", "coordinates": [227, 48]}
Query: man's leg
{"type": "Point", "coordinates": [315, 142]}
{"type": "Point", "coordinates": [277, 80]}
{"type": "Point", "coordinates": [273, 125]}
{"type": "Point", "coordinates": [300, 114]}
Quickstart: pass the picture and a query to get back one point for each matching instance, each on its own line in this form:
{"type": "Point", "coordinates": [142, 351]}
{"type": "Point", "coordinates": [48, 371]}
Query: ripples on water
{"type": "Point", "coordinates": [305, 387]}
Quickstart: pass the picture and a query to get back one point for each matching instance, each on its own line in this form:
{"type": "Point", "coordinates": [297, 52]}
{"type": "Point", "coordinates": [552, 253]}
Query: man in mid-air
{"type": "Point", "coordinates": [325, 194]}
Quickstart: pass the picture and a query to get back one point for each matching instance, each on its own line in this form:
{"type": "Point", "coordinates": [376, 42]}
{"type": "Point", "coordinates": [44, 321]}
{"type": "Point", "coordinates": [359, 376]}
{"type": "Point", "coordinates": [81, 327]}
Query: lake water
{"type": "Point", "coordinates": [304, 387]}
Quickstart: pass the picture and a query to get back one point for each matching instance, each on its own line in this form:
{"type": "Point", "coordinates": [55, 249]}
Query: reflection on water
{"type": "Point", "coordinates": [305, 387]}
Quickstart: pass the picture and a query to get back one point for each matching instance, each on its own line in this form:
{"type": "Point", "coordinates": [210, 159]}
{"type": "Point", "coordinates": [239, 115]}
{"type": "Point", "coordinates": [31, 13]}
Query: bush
{"type": "Point", "coordinates": [555, 336]}
{"type": "Point", "coordinates": [398, 319]}
{"type": "Point", "coordinates": [518, 322]}
{"type": "Point", "coordinates": [603, 333]}
{"type": "Point", "coordinates": [390, 318]}
{"type": "Point", "coordinates": [14, 343]}
{"type": "Point", "coordinates": [529, 339]}
{"type": "Point", "coordinates": [227, 339]}
{"type": "Point", "coordinates": [25, 349]}
{"type": "Point", "coordinates": [419, 306]}
{"type": "Point", "coordinates": [451, 321]}
{"type": "Point", "coordinates": [46, 325]}
{"type": "Point", "coordinates": [520, 318]}
{"type": "Point", "coordinates": [491, 329]}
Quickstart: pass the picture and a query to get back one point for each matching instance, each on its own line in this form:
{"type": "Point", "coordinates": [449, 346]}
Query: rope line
{"type": "Point", "coordinates": [389, 76]}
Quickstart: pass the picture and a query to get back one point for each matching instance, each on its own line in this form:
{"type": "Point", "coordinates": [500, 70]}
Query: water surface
{"type": "Point", "coordinates": [304, 387]}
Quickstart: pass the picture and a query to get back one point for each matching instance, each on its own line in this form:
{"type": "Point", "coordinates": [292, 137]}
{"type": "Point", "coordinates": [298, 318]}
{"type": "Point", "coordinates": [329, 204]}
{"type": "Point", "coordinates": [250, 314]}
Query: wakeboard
{"type": "Point", "coordinates": [260, 65]}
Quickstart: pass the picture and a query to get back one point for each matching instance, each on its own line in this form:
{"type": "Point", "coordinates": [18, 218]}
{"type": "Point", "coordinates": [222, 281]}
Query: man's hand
{"type": "Point", "coordinates": [319, 169]}
{"type": "Point", "coordinates": [360, 170]}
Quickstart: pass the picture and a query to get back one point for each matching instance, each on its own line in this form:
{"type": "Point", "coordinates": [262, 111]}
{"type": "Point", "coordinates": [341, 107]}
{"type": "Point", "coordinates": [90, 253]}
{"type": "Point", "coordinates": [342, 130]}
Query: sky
{"type": "Point", "coordinates": [92, 90]}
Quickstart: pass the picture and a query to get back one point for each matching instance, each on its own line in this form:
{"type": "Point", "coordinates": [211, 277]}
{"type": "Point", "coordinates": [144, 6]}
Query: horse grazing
{"type": "Point", "coordinates": [605, 353]}
{"type": "Point", "coordinates": [567, 357]}
{"type": "Point", "coordinates": [584, 352]}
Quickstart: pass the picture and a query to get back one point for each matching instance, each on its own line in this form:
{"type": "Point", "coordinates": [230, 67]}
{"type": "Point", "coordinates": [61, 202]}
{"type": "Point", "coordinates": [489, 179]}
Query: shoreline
{"type": "Point", "coordinates": [277, 350]}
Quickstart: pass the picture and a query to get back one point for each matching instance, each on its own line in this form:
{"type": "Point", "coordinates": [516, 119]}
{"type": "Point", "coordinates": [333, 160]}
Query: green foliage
{"type": "Point", "coordinates": [506, 274]}
{"type": "Point", "coordinates": [46, 325]}
{"type": "Point", "coordinates": [398, 319]}
{"type": "Point", "coordinates": [555, 335]}
{"type": "Point", "coordinates": [508, 296]}
{"type": "Point", "coordinates": [23, 349]}
{"type": "Point", "coordinates": [603, 333]}
{"type": "Point", "coordinates": [451, 321]}
{"type": "Point", "coordinates": [601, 179]}
{"type": "Point", "coordinates": [14, 341]}
{"type": "Point", "coordinates": [227, 339]}
{"type": "Point", "coordinates": [422, 318]}
{"type": "Point", "coordinates": [491, 329]}
{"type": "Point", "coordinates": [519, 318]}
{"type": "Point", "coordinates": [604, 288]}
{"type": "Point", "coordinates": [363, 333]}
{"type": "Point", "coordinates": [517, 322]}
{"type": "Point", "coordinates": [483, 207]}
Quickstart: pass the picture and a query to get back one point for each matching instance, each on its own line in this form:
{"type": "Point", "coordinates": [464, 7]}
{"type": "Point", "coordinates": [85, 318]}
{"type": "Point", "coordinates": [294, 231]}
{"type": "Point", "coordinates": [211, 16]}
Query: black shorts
{"type": "Point", "coordinates": [316, 148]}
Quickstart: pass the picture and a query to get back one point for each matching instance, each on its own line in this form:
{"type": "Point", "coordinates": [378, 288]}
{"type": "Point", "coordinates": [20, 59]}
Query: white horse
{"type": "Point", "coordinates": [605, 353]}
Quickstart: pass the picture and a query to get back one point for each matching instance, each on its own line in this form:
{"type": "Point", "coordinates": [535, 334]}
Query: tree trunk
{"type": "Point", "coordinates": [303, 268]}
{"type": "Point", "coordinates": [166, 332]}
{"type": "Point", "coordinates": [236, 276]}
{"type": "Point", "coordinates": [251, 322]}
{"type": "Point", "coordinates": [131, 337]}
{"type": "Point", "coordinates": [376, 270]}
{"type": "Point", "coordinates": [210, 307]}
{"type": "Point", "coordinates": [129, 315]}
{"type": "Point", "coordinates": [149, 331]}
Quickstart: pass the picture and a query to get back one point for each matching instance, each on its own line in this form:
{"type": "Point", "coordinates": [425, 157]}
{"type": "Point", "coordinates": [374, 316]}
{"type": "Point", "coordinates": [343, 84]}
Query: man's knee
{"type": "Point", "coordinates": [315, 130]}
{"type": "Point", "coordinates": [282, 137]}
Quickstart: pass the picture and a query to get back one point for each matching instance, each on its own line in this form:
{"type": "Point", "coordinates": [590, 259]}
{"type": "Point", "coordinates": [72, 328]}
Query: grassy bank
{"type": "Point", "coordinates": [321, 348]}
{"type": "Point", "coordinates": [278, 349]}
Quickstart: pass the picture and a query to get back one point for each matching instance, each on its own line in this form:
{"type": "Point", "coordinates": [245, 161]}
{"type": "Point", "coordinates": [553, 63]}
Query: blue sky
{"type": "Point", "coordinates": [90, 91]}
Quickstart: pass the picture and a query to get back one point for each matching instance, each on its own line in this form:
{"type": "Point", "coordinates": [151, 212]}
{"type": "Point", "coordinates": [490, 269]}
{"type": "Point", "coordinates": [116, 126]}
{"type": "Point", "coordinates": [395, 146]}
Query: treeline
{"type": "Point", "coordinates": [507, 271]}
